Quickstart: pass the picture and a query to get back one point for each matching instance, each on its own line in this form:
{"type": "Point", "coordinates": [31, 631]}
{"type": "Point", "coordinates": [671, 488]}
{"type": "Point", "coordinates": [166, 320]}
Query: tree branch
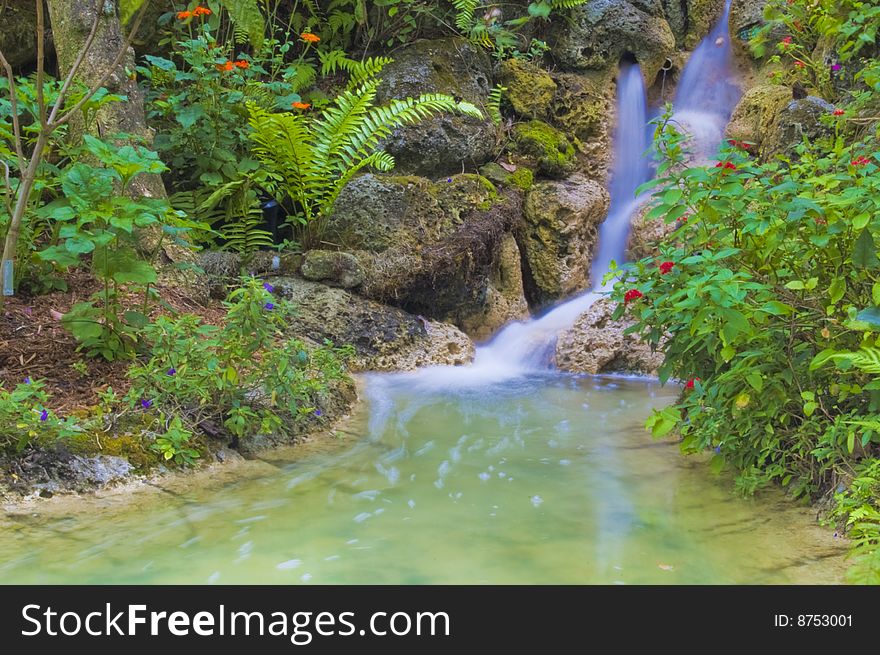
{"type": "Point", "coordinates": [13, 101]}
{"type": "Point", "coordinates": [81, 55]}
{"type": "Point", "coordinates": [41, 63]}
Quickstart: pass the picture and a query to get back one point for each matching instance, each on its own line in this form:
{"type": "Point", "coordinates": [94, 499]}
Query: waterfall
{"type": "Point", "coordinates": [704, 102]}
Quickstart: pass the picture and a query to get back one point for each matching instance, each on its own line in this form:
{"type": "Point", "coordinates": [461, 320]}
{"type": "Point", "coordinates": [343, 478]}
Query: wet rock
{"type": "Point", "coordinates": [384, 338]}
{"type": "Point", "coordinates": [757, 109]}
{"type": "Point", "coordinates": [597, 344]}
{"type": "Point", "coordinates": [745, 17]}
{"type": "Point", "coordinates": [521, 177]}
{"type": "Point", "coordinates": [445, 143]}
{"type": "Point", "coordinates": [336, 269]}
{"type": "Point", "coordinates": [57, 470]}
{"type": "Point", "coordinates": [505, 299]}
{"type": "Point", "coordinates": [554, 154]}
{"type": "Point", "coordinates": [601, 32]}
{"type": "Point", "coordinates": [798, 120]}
{"type": "Point", "coordinates": [530, 89]}
{"type": "Point", "coordinates": [99, 470]}
{"type": "Point", "coordinates": [559, 235]}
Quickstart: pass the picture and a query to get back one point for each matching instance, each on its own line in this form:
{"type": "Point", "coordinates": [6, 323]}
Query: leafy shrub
{"type": "Point", "coordinates": [770, 272]}
{"type": "Point", "coordinates": [25, 418]}
{"type": "Point", "coordinates": [247, 375]}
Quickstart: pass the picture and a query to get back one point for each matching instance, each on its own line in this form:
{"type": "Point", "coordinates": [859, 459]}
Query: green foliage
{"type": "Point", "coordinates": [25, 418]}
{"type": "Point", "coordinates": [310, 157]}
{"type": "Point", "coordinates": [494, 104]}
{"type": "Point", "coordinates": [173, 444]}
{"type": "Point", "coordinates": [769, 275]}
{"type": "Point", "coordinates": [247, 375]}
{"type": "Point", "coordinates": [94, 217]}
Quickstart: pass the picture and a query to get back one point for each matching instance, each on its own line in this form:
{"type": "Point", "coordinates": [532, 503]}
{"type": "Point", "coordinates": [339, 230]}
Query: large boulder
{"type": "Point", "coordinates": [756, 112]}
{"type": "Point", "coordinates": [447, 142]}
{"type": "Point", "coordinates": [799, 120]}
{"type": "Point", "coordinates": [384, 338]}
{"type": "Point", "coordinates": [558, 236]}
{"type": "Point", "coordinates": [601, 32]}
{"type": "Point", "coordinates": [18, 34]}
{"type": "Point", "coordinates": [597, 344]}
{"type": "Point", "coordinates": [530, 88]}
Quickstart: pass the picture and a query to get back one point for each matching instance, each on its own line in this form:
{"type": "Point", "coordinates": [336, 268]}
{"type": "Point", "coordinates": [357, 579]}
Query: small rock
{"type": "Point", "coordinates": [336, 269]}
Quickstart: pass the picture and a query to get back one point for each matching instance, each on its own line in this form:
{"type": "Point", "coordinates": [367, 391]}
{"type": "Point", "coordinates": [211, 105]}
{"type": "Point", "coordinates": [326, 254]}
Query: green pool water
{"type": "Point", "coordinates": [543, 479]}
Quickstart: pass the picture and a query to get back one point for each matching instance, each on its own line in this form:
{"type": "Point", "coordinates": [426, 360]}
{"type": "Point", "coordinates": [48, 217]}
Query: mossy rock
{"type": "Point", "coordinates": [530, 89]}
{"type": "Point", "coordinates": [554, 154]}
{"type": "Point", "coordinates": [799, 120]}
{"type": "Point", "coordinates": [335, 269]}
{"type": "Point", "coordinates": [441, 144]}
{"type": "Point", "coordinates": [756, 111]}
{"type": "Point", "coordinates": [692, 20]}
{"type": "Point", "coordinates": [521, 178]}
{"type": "Point", "coordinates": [601, 32]}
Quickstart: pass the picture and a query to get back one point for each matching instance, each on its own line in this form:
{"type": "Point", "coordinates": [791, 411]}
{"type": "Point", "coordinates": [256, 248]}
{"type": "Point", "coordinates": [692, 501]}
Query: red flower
{"type": "Point", "coordinates": [860, 161]}
{"type": "Point", "coordinates": [300, 105]}
{"type": "Point", "coordinates": [839, 112]}
{"type": "Point", "coordinates": [727, 165]}
{"type": "Point", "coordinates": [241, 63]}
{"type": "Point", "coordinates": [787, 40]}
{"type": "Point", "coordinates": [665, 267]}
{"type": "Point", "coordinates": [228, 66]}
{"type": "Point", "coordinates": [201, 11]}
{"type": "Point", "coordinates": [690, 383]}
{"type": "Point", "coordinates": [183, 15]}
{"type": "Point", "coordinates": [632, 294]}
{"type": "Point", "coordinates": [798, 63]}
{"type": "Point", "coordinates": [309, 37]}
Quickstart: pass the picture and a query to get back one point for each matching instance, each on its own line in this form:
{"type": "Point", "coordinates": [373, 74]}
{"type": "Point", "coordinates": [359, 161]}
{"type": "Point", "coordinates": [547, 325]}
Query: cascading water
{"type": "Point", "coordinates": [706, 94]}
{"type": "Point", "coordinates": [527, 346]}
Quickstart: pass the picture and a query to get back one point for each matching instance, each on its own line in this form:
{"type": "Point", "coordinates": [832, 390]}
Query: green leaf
{"type": "Point", "coordinates": [836, 290]}
{"type": "Point", "coordinates": [79, 245]}
{"type": "Point", "coordinates": [864, 252]}
{"type": "Point", "coordinates": [136, 319]}
{"type": "Point", "coordinates": [188, 116]}
{"type": "Point", "coordinates": [809, 408]}
{"type": "Point", "coordinates": [539, 10]}
{"type": "Point", "coordinates": [756, 381]}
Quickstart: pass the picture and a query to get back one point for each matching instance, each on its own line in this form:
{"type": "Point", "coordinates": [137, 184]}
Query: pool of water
{"type": "Point", "coordinates": [542, 479]}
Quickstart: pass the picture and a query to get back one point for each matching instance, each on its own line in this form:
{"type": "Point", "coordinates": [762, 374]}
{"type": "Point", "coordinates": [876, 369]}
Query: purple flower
{"type": "Point", "coordinates": [268, 287]}
{"type": "Point", "coordinates": [835, 67]}
{"type": "Point", "coordinates": [449, 179]}
{"type": "Point", "coordinates": [717, 450]}
{"type": "Point", "coordinates": [269, 306]}
{"type": "Point", "coordinates": [172, 371]}
{"type": "Point", "coordinates": [27, 380]}
{"type": "Point", "coordinates": [318, 412]}
{"type": "Point", "coordinates": [146, 404]}
{"type": "Point", "coordinates": [44, 415]}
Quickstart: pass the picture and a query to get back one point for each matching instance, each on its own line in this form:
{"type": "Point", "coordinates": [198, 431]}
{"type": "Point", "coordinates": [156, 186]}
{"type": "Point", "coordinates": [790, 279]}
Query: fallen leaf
{"type": "Point", "coordinates": [56, 315]}
{"type": "Point", "coordinates": [666, 567]}
{"type": "Point", "coordinates": [510, 168]}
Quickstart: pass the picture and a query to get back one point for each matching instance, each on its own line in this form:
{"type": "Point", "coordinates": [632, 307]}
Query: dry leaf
{"type": "Point", "coordinates": [510, 168]}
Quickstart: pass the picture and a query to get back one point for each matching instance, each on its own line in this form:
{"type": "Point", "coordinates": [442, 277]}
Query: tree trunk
{"type": "Point", "coordinates": [72, 21]}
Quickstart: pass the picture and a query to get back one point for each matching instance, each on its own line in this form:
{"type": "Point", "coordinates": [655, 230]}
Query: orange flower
{"type": "Point", "coordinates": [311, 38]}
{"type": "Point", "coordinates": [201, 11]}
{"type": "Point", "coordinates": [241, 63]}
{"type": "Point", "coordinates": [183, 15]}
{"type": "Point", "coordinates": [300, 105]}
{"type": "Point", "coordinates": [228, 66]}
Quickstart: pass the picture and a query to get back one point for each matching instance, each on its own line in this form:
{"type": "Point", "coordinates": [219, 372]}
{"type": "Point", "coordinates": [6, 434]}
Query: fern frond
{"type": "Point", "coordinates": [464, 14]}
{"type": "Point", "coordinates": [865, 359]}
{"type": "Point", "coordinates": [247, 20]}
{"type": "Point", "coordinates": [567, 4]}
{"type": "Point", "coordinates": [494, 104]}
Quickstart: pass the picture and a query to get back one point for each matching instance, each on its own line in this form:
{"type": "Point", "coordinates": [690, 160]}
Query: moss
{"type": "Point", "coordinates": [522, 178]}
{"type": "Point", "coordinates": [130, 444]}
{"type": "Point", "coordinates": [530, 89]}
{"type": "Point", "coordinates": [582, 105]}
{"type": "Point", "coordinates": [460, 194]}
{"type": "Point", "coordinates": [554, 154]}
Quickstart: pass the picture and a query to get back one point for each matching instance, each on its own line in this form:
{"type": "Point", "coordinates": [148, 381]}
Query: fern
{"type": "Point", "coordinates": [247, 20]}
{"type": "Point", "coordinates": [567, 4]}
{"type": "Point", "coordinates": [494, 105]}
{"type": "Point", "coordinates": [334, 61]}
{"type": "Point", "coordinates": [245, 236]}
{"type": "Point", "coordinates": [464, 16]}
{"type": "Point", "coordinates": [866, 359]}
{"type": "Point", "coordinates": [313, 156]}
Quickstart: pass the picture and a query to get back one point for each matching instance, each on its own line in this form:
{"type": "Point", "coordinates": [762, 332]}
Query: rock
{"type": "Point", "coordinates": [799, 120]}
{"type": "Point", "coordinates": [559, 234]}
{"type": "Point", "coordinates": [552, 151]}
{"type": "Point", "coordinates": [645, 234]}
{"type": "Point", "coordinates": [447, 142]}
{"type": "Point", "coordinates": [521, 177]}
{"type": "Point", "coordinates": [449, 279]}
{"type": "Point", "coordinates": [224, 268]}
{"type": "Point", "coordinates": [597, 344]}
{"type": "Point", "coordinates": [505, 298]}
{"type": "Point", "coordinates": [584, 107]}
{"type": "Point", "coordinates": [756, 112]}
{"type": "Point", "coordinates": [384, 338]}
{"type": "Point", "coordinates": [336, 269]}
{"type": "Point", "coordinates": [99, 470]}
{"type": "Point", "coordinates": [601, 32]}
{"type": "Point", "coordinates": [530, 89]}
{"type": "Point", "coordinates": [745, 16]}
{"type": "Point", "coordinates": [692, 20]}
